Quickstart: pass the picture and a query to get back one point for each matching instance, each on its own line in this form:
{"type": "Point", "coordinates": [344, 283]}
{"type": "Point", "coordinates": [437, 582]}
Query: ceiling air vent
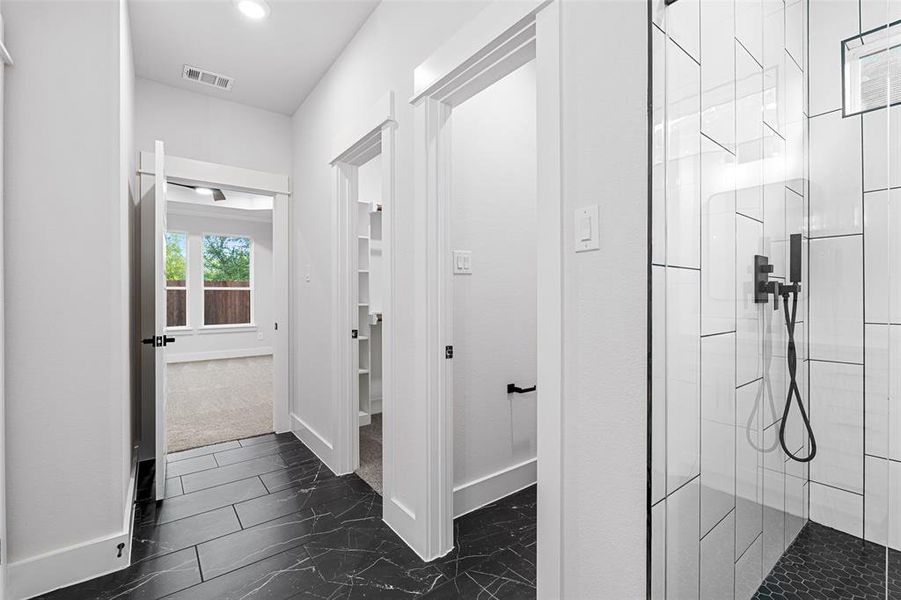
{"type": "Point", "coordinates": [207, 78]}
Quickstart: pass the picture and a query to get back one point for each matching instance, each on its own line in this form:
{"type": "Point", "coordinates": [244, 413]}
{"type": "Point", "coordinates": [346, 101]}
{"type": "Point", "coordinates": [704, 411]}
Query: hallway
{"type": "Point", "coordinates": [264, 518]}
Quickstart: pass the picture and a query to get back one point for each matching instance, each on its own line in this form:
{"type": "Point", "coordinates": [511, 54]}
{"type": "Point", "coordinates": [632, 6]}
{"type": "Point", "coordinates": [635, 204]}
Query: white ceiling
{"type": "Point", "coordinates": [275, 62]}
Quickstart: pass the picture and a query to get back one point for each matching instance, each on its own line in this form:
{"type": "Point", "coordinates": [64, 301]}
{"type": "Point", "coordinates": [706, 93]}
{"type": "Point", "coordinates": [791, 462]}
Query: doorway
{"type": "Point", "coordinates": [202, 268]}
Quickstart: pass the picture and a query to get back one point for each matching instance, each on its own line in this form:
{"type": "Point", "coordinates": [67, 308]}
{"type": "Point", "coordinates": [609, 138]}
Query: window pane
{"type": "Point", "coordinates": [226, 307]}
{"type": "Point", "coordinates": [176, 259]}
{"type": "Point", "coordinates": [226, 261]}
{"type": "Point", "coordinates": [176, 308]}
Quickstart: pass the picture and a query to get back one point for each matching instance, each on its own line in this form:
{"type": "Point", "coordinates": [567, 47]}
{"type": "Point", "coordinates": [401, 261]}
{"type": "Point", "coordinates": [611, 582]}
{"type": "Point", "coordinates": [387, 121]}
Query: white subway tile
{"type": "Point", "coordinates": [881, 141]}
{"type": "Point", "coordinates": [773, 516]}
{"type": "Point", "coordinates": [835, 175]}
{"type": "Point", "coordinates": [682, 542]}
{"type": "Point", "coordinates": [748, 466]}
{"type": "Point", "coordinates": [718, 71]}
{"type": "Point", "coordinates": [683, 25]}
{"type": "Point", "coordinates": [774, 64]}
{"type": "Point", "coordinates": [830, 23]}
{"type": "Point", "coordinates": [717, 562]}
{"type": "Point", "coordinates": [717, 239]}
{"type": "Point", "coordinates": [717, 428]}
{"type": "Point", "coordinates": [748, 135]}
{"type": "Point", "coordinates": [658, 384]}
{"type": "Point", "coordinates": [876, 13]}
{"type": "Point", "coordinates": [658, 148]}
{"type": "Point", "coordinates": [882, 502]}
{"type": "Point", "coordinates": [836, 416]}
{"type": "Point", "coordinates": [795, 23]}
{"type": "Point", "coordinates": [775, 368]}
{"type": "Point", "coordinates": [658, 13]}
{"type": "Point", "coordinates": [882, 248]}
{"type": "Point", "coordinates": [749, 26]}
{"type": "Point", "coordinates": [794, 127]}
{"type": "Point", "coordinates": [748, 322]}
{"type": "Point", "coordinates": [682, 376]}
{"type": "Point", "coordinates": [836, 299]}
{"type": "Point", "coordinates": [836, 508]}
{"type": "Point", "coordinates": [883, 391]}
{"type": "Point", "coordinates": [795, 506]}
{"type": "Point", "coordinates": [749, 571]}
{"type": "Point", "coordinates": [683, 159]}
{"type": "Point", "coordinates": [658, 551]}
{"type": "Point", "coordinates": [774, 236]}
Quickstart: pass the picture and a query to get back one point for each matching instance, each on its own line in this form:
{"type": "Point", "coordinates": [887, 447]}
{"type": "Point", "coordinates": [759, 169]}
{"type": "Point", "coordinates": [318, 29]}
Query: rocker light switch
{"type": "Point", "coordinates": [587, 236]}
{"type": "Point", "coordinates": [462, 262]}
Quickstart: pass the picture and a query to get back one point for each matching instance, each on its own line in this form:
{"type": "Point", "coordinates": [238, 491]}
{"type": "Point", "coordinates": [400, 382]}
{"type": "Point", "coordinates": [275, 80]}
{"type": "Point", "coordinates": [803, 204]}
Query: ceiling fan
{"type": "Point", "coordinates": [216, 193]}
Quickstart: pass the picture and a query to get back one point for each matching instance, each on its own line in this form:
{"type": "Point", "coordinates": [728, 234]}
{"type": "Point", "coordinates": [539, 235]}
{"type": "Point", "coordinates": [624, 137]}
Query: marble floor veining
{"type": "Point", "coordinates": [263, 518]}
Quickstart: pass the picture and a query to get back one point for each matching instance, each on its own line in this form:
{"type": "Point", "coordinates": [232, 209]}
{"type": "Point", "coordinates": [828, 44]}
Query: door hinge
{"type": "Point", "coordinates": [448, 352]}
{"type": "Point", "coordinates": [354, 334]}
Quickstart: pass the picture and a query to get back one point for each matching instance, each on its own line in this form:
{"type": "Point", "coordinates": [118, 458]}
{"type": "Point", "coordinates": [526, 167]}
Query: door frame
{"type": "Point", "coordinates": [373, 135]}
{"type": "Point", "coordinates": [5, 61]}
{"type": "Point", "coordinates": [500, 39]}
{"type": "Point", "coordinates": [189, 171]}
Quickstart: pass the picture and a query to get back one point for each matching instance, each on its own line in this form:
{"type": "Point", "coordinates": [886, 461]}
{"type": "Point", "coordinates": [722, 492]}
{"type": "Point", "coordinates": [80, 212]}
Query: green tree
{"type": "Point", "coordinates": [176, 267]}
{"type": "Point", "coordinates": [226, 258]}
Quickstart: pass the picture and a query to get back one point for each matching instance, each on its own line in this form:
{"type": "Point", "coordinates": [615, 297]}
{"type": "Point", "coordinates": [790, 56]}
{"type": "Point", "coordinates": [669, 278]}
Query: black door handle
{"type": "Point", "coordinates": [168, 340]}
{"type": "Point", "coordinates": [151, 341]}
{"type": "Point", "coordinates": [512, 389]}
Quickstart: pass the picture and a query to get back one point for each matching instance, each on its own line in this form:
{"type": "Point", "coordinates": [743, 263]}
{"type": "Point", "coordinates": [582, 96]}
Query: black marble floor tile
{"type": "Point", "coordinates": [262, 439]}
{"type": "Point", "coordinates": [826, 563]}
{"type": "Point", "coordinates": [272, 506]}
{"type": "Point", "coordinates": [173, 487]}
{"type": "Point", "coordinates": [156, 540]}
{"type": "Point", "coordinates": [176, 456]}
{"type": "Point", "coordinates": [198, 502]}
{"type": "Point", "coordinates": [146, 580]}
{"type": "Point", "coordinates": [299, 531]}
{"type": "Point", "coordinates": [234, 472]}
{"type": "Point", "coordinates": [191, 465]}
{"type": "Point", "coordinates": [289, 574]}
{"type": "Point", "coordinates": [272, 446]}
{"type": "Point", "coordinates": [256, 543]}
{"type": "Point", "coordinates": [306, 474]}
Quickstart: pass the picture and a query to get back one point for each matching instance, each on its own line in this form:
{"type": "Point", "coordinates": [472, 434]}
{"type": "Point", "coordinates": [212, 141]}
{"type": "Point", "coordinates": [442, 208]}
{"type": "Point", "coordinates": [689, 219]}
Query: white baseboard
{"type": "Point", "coordinates": [217, 354]}
{"type": "Point", "coordinates": [311, 438]}
{"type": "Point", "coordinates": [80, 562]}
{"type": "Point", "coordinates": [485, 490]}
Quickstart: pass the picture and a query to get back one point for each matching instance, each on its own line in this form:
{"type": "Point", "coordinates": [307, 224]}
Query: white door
{"type": "Point", "coordinates": [161, 340]}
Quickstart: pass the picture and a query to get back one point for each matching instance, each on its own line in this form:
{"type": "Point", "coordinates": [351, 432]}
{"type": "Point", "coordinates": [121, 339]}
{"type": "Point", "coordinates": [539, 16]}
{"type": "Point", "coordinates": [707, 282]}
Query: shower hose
{"type": "Point", "coordinates": [793, 391]}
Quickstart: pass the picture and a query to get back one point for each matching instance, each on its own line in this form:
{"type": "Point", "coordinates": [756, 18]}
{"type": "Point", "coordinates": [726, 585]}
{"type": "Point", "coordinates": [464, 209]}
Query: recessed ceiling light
{"type": "Point", "coordinates": [204, 191]}
{"type": "Point", "coordinates": [253, 9]}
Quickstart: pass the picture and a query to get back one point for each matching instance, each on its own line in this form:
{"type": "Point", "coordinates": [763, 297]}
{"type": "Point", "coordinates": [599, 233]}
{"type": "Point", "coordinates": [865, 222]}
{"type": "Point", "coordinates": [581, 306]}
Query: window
{"type": "Point", "coordinates": [871, 70]}
{"type": "Point", "coordinates": [227, 280]}
{"type": "Point", "coordinates": [176, 279]}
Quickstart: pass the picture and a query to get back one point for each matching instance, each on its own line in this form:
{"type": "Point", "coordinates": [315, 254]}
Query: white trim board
{"type": "Point", "coordinates": [189, 209]}
{"type": "Point", "coordinates": [192, 172]}
{"type": "Point", "coordinates": [485, 490]}
{"type": "Point", "coordinates": [312, 439]}
{"type": "Point", "coordinates": [67, 566]}
{"type": "Point", "coordinates": [218, 354]}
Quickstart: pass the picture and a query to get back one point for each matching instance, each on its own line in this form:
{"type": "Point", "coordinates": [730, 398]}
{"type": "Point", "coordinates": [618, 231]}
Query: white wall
{"type": "Point", "coordinates": [381, 57]}
{"type": "Point", "coordinates": [67, 283]}
{"type": "Point", "coordinates": [604, 161]}
{"type": "Point", "coordinates": [493, 215]}
{"type": "Point", "coordinates": [201, 343]}
{"type": "Point", "coordinates": [205, 128]}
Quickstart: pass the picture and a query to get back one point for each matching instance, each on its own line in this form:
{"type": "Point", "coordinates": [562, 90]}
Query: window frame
{"type": "Point", "coordinates": [187, 326]}
{"type": "Point", "coordinates": [227, 326]}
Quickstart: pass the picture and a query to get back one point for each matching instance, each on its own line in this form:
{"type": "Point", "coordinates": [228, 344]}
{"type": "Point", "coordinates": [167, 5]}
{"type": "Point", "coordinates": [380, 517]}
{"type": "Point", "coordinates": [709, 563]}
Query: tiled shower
{"type": "Point", "coordinates": [771, 118]}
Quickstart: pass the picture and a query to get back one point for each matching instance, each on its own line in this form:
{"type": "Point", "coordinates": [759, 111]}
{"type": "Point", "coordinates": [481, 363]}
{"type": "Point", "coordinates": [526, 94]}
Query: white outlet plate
{"type": "Point", "coordinates": [462, 262]}
{"type": "Point", "coordinates": [586, 234]}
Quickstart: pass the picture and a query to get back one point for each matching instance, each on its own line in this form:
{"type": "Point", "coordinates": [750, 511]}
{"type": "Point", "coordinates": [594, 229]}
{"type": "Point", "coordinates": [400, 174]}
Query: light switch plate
{"type": "Point", "coordinates": [462, 262]}
{"type": "Point", "coordinates": [586, 232]}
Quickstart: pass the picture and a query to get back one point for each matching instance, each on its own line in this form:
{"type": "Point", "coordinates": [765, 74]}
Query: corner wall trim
{"type": "Point", "coordinates": [313, 440]}
{"type": "Point", "coordinates": [81, 562]}
{"type": "Point", "coordinates": [485, 490]}
{"type": "Point", "coordinates": [218, 354]}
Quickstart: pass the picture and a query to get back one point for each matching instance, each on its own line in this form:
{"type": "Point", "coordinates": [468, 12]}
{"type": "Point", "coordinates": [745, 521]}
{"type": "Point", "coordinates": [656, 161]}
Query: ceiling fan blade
{"type": "Point", "coordinates": [218, 195]}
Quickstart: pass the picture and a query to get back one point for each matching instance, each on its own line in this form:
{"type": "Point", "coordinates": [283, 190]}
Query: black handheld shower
{"type": "Point", "coordinates": [763, 287]}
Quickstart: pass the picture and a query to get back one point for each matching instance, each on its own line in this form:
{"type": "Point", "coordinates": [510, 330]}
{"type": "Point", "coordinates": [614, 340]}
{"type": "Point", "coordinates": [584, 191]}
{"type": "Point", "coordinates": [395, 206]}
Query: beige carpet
{"type": "Point", "coordinates": [218, 400]}
{"type": "Point", "coordinates": [370, 469]}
